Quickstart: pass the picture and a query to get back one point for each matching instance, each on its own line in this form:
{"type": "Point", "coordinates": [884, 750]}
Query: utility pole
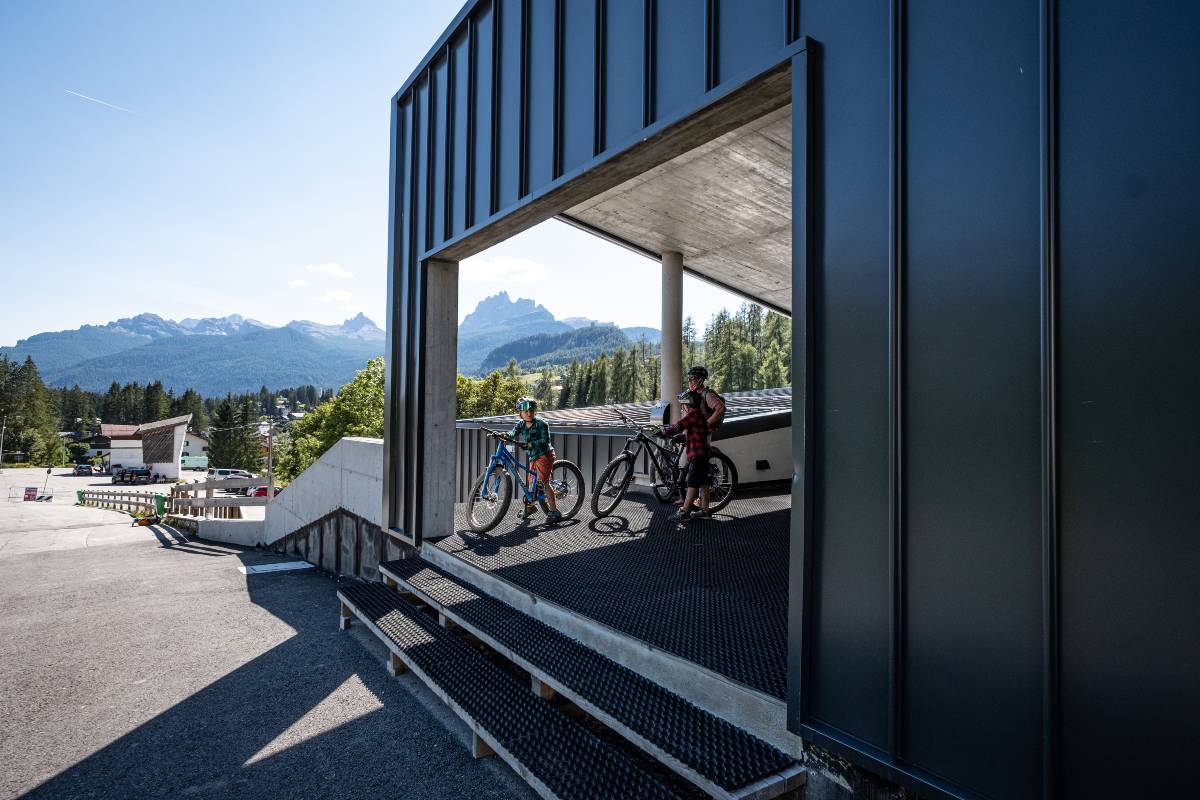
{"type": "Point", "coordinates": [3, 430]}
{"type": "Point", "coordinates": [270, 431]}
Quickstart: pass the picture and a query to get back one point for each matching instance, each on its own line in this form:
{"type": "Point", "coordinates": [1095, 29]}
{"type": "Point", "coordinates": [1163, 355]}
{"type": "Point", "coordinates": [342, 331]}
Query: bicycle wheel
{"type": "Point", "coordinates": [611, 485]}
{"type": "Point", "coordinates": [487, 505]}
{"type": "Point", "coordinates": [722, 481]}
{"type": "Point", "coordinates": [566, 481]}
{"type": "Point", "coordinates": [665, 487]}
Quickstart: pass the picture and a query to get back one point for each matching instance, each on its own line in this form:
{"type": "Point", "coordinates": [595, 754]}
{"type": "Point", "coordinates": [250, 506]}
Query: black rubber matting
{"type": "Point", "coordinates": [563, 755]}
{"type": "Point", "coordinates": [713, 591]}
{"type": "Point", "coordinates": [717, 750]}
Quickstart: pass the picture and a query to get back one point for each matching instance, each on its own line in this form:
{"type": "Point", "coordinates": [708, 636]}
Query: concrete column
{"type": "Point", "coordinates": [440, 368]}
{"type": "Point", "coordinates": [671, 381]}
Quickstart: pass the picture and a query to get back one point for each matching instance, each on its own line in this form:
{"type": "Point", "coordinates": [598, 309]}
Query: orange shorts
{"type": "Point", "coordinates": [542, 466]}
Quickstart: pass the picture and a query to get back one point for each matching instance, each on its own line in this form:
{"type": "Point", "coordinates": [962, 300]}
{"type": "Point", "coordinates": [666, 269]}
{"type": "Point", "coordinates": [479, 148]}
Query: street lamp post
{"type": "Point", "coordinates": [3, 430]}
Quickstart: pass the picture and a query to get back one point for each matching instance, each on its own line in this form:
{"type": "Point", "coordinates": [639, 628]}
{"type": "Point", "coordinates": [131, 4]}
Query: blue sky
{"type": "Point", "coordinates": [232, 158]}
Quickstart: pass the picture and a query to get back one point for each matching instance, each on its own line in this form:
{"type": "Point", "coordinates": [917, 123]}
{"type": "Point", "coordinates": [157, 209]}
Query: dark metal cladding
{"type": "Point", "coordinates": [993, 588]}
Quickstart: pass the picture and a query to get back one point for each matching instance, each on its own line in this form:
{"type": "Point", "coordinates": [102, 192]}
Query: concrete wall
{"type": "Point", "coordinates": [246, 532]}
{"type": "Point", "coordinates": [349, 476]}
{"type": "Point", "coordinates": [329, 515]}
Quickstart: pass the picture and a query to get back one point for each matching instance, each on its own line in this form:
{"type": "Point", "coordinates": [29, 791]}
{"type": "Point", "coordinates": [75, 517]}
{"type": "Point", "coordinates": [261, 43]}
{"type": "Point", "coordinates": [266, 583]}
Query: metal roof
{"type": "Point", "coordinates": [598, 418]}
{"type": "Point", "coordinates": [165, 423]}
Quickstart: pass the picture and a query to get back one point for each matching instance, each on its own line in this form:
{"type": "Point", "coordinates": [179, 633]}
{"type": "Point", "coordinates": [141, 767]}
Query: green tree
{"type": "Point", "coordinates": [598, 393]}
{"type": "Point", "coordinates": [223, 440]}
{"type": "Point", "coordinates": [249, 440]}
{"type": "Point", "coordinates": [357, 410]}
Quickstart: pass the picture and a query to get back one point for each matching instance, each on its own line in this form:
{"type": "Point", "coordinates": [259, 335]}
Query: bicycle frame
{"type": "Point", "coordinates": [504, 459]}
{"type": "Point", "coordinates": [665, 457]}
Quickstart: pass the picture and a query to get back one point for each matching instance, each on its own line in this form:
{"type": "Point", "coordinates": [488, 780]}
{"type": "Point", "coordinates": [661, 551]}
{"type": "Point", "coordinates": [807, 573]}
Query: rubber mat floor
{"type": "Point", "coordinates": [713, 591]}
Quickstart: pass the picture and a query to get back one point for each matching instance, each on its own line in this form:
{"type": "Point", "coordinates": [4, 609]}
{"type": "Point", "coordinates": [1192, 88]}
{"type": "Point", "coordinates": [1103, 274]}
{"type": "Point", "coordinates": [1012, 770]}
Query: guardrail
{"type": "Point", "coordinates": [132, 502]}
{"type": "Point", "coordinates": [186, 499]}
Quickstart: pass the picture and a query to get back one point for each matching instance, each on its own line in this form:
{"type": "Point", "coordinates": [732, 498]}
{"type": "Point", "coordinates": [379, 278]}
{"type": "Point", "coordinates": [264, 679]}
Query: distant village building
{"type": "Point", "coordinates": [195, 444]}
{"type": "Point", "coordinates": [154, 445]}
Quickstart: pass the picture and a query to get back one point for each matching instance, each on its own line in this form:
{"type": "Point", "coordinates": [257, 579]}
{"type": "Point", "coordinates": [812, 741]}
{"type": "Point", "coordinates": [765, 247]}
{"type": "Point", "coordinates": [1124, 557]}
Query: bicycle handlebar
{"type": "Point", "coordinates": [504, 437]}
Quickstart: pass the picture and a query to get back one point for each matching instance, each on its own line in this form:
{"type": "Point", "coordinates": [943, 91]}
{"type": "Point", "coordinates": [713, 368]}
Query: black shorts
{"type": "Point", "coordinates": [697, 474]}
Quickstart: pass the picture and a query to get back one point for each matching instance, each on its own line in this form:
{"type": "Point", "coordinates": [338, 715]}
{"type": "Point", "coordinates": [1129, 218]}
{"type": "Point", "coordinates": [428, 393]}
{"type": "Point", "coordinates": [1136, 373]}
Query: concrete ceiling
{"type": "Point", "coordinates": [726, 205]}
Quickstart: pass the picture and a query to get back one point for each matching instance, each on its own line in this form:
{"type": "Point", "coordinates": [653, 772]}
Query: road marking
{"type": "Point", "coordinates": [286, 565]}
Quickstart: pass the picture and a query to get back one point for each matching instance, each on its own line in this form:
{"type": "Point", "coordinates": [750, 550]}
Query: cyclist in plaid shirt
{"type": "Point", "coordinates": [693, 428]}
{"type": "Point", "coordinates": [536, 434]}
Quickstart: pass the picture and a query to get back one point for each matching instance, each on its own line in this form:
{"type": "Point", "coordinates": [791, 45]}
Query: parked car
{"type": "Point", "coordinates": [117, 470]}
{"type": "Point", "coordinates": [133, 476]}
{"type": "Point", "coordinates": [220, 474]}
{"type": "Point", "coordinates": [262, 491]}
{"type": "Point", "coordinates": [83, 469]}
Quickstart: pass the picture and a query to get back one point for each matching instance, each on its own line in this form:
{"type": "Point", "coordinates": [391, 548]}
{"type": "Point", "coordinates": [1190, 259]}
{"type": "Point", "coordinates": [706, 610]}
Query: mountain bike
{"type": "Point", "coordinates": [667, 476]}
{"type": "Point", "coordinates": [493, 490]}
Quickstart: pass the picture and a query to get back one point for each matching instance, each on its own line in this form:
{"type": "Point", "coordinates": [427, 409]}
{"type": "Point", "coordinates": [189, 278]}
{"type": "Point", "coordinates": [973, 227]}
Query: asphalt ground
{"type": "Point", "coordinates": [135, 663]}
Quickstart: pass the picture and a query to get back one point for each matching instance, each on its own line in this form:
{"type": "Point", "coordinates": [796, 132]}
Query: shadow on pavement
{"type": "Point", "coordinates": [206, 745]}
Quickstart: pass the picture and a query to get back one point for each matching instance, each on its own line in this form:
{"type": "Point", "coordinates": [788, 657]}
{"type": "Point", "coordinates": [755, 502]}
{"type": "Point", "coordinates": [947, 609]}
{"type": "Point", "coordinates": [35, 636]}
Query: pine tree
{"type": "Point", "coordinates": [223, 440]}
{"type": "Point", "coordinates": [250, 444]}
{"type": "Point", "coordinates": [598, 393]}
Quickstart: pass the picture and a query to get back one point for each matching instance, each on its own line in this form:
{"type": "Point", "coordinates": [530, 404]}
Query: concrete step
{"type": "Point", "coordinates": [721, 759]}
{"type": "Point", "coordinates": [557, 756]}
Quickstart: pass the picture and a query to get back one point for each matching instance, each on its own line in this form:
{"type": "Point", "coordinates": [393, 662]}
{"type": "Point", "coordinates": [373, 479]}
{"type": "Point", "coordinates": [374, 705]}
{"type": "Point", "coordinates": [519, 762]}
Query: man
{"type": "Point", "coordinates": [713, 407]}
{"type": "Point", "coordinates": [535, 433]}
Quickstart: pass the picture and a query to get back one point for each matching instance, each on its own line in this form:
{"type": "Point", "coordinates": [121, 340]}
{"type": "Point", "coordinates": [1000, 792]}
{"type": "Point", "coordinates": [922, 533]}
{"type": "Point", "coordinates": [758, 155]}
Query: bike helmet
{"type": "Point", "coordinates": [526, 404]}
{"type": "Point", "coordinates": [699, 372]}
{"type": "Point", "coordinates": [688, 398]}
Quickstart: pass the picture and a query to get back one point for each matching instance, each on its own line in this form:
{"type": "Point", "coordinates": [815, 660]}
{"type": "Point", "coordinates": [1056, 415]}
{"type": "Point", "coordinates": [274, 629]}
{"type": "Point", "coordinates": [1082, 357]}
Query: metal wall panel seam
{"type": "Point", "coordinates": [472, 89]}
{"type": "Point", "coordinates": [448, 138]}
{"type": "Point", "coordinates": [1051, 619]}
{"type": "Point", "coordinates": [710, 44]}
{"type": "Point", "coordinates": [896, 223]}
{"type": "Point", "coordinates": [523, 125]}
{"type": "Point", "coordinates": [494, 166]}
{"type": "Point", "coordinates": [649, 61]}
{"type": "Point", "coordinates": [556, 166]}
{"type": "Point", "coordinates": [599, 86]}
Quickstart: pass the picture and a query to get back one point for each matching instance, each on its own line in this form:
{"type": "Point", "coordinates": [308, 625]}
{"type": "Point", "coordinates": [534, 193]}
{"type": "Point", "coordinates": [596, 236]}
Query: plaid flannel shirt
{"type": "Point", "coordinates": [694, 428]}
{"type": "Point", "coordinates": [537, 436]}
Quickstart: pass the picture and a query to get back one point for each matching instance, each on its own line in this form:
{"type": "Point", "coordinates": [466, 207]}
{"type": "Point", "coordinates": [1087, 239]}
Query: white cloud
{"type": "Point", "coordinates": [503, 270]}
{"type": "Point", "coordinates": [331, 270]}
{"type": "Point", "coordinates": [335, 296]}
{"type": "Point", "coordinates": [298, 284]}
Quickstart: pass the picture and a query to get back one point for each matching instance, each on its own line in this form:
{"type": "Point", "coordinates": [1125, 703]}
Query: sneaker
{"type": "Point", "coordinates": [530, 508]}
{"type": "Point", "coordinates": [701, 512]}
{"type": "Point", "coordinates": [682, 516]}
{"type": "Point", "coordinates": [554, 516]}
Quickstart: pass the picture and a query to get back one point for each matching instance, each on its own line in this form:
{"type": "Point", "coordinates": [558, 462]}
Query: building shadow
{"type": "Point", "coordinates": [221, 741]}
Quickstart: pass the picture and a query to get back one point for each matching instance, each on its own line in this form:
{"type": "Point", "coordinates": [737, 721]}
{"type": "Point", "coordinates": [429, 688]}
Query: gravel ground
{"type": "Point", "coordinates": [137, 663]}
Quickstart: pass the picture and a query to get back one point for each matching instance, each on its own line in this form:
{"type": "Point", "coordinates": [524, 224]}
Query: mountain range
{"type": "Point", "coordinates": [213, 355]}
{"type": "Point", "coordinates": [499, 321]}
{"type": "Point", "coordinates": [217, 355]}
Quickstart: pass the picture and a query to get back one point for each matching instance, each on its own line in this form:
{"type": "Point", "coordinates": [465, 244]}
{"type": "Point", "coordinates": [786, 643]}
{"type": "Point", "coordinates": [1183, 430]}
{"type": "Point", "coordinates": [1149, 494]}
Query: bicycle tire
{"type": "Point", "coordinates": [615, 491]}
{"type": "Point", "coordinates": [722, 481]}
{"type": "Point", "coordinates": [498, 504]}
{"type": "Point", "coordinates": [665, 488]}
{"type": "Point", "coordinates": [566, 481]}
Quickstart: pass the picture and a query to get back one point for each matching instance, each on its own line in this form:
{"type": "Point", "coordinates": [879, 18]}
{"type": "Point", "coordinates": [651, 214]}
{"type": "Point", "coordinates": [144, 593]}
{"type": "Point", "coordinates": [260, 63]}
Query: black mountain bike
{"type": "Point", "coordinates": [667, 476]}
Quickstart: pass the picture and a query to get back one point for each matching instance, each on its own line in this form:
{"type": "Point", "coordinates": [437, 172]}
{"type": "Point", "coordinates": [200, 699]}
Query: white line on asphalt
{"type": "Point", "coordinates": [287, 565]}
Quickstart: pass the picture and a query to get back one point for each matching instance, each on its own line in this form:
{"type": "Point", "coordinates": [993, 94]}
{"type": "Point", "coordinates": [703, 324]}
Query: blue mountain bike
{"type": "Point", "coordinates": [493, 490]}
